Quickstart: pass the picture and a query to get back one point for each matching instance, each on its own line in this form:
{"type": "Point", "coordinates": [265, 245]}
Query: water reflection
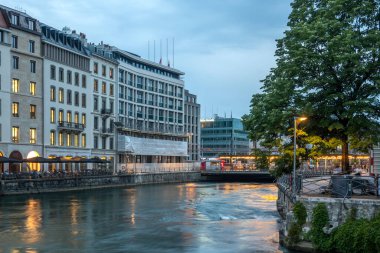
{"type": "Point", "coordinates": [33, 215]}
{"type": "Point", "coordinates": [193, 217]}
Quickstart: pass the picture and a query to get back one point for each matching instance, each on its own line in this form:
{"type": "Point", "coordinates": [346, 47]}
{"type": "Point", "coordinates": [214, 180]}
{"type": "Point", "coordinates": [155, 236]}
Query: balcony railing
{"type": "Point", "coordinates": [71, 126]}
{"type": "Point", "coordinates": [105, 111]}
{"type": "Point", "coordinates": [106, 131]}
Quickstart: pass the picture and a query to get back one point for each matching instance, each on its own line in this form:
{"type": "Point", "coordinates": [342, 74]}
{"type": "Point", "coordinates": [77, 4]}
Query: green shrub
{"type": "Point", "coordinates": [320, 219]}
{"type": "Point", "coordinates": [295, 229]}
{"type": "Point", "coordinates": [300, 213]}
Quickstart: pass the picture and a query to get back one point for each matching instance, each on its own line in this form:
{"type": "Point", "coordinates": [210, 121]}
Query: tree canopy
{"type": "Point", "coordinates": [328, 69]}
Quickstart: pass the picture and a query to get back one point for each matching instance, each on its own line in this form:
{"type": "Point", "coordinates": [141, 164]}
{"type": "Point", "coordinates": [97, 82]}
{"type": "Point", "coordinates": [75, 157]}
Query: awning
{"type": "Point", "coordinates": [39, 159]}
{"type": "Point", "coordinates": [4, 159]}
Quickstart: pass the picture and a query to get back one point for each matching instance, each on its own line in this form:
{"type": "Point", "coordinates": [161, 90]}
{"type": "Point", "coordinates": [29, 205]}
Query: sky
{"type": "Point", "coordinates": [225, 47]}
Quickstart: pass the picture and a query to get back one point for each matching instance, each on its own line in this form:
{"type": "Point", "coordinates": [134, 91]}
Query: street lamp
{"type": "Point", "coordinates": [296, 119]}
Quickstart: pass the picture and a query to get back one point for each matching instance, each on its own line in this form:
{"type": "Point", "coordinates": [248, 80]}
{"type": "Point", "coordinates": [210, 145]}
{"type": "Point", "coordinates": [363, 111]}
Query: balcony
{"type": "Point", "coordinates": [106, 131]}
{"type": "Point", "coordinates": [106, 112]}
{"type": "Point", "coordinates": [70, 126]}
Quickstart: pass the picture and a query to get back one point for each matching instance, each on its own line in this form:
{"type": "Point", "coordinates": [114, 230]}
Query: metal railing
{"type": "Point", "coordinates": [313, 183]}
{"type": "Point", "coordinates": [139, 168]}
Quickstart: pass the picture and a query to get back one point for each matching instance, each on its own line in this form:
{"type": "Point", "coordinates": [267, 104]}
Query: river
{"type": "Point", "coordinates": [192, 217]}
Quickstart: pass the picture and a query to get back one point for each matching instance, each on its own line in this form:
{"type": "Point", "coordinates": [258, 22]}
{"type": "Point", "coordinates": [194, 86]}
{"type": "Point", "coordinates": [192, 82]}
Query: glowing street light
{"type": "Point", "coordinates": [296, 119]}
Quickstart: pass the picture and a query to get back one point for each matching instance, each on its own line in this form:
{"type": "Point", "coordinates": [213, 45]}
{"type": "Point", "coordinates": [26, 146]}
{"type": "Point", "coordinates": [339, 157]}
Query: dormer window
{"type": "Point", "coordinates": [31, 24]}
{"type": "Point", "coordinates": [15, 19]}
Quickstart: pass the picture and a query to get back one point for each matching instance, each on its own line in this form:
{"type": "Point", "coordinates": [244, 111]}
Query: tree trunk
{"type": "Point", "coordinates": [345, 160]}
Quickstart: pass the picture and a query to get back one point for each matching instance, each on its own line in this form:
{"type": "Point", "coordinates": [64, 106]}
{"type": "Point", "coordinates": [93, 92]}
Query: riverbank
{"type": "Point", "coordinates": [79, 183]}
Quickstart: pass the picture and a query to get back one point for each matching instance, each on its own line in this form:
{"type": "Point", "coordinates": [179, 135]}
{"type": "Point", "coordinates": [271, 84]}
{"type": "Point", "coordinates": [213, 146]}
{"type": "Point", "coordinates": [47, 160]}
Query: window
{"type": "Point", "coordinates": [33, 109]}
{"type": "Point", "coordinates": [52, 93]}
{"type": "Point", "coordinates": [32, 135]}
{"type": "Point", "coordinates": [32, 88]}
{"type": "Point", "coordinates": [68, 115]}
{"type": "Point", "coordinates": [76, 81]}
{"type": "Point", "coordinates": [104, 88]}
{"type": "Point", "coordinates": [76, 140]}
{"type": "Point", "coordinates": [76, 117]}
{"type": "Point", "coordinates": [84, 84]}
{"type": "Point", "coordinates": [69, 76]}
{"type": "Point", "coordinates": [15, 19]}
{"type": "Point", "coordinates": [95, 122]}
{"type": "Point", "coordinates": [60, 74]}
{"type": "Point", "coordinates": [111, 143]}
{"type": "Point", "coordinates": [95, 67]}
{"type": "Point", "coordinates": [31, 46]}
{"type": "Point", "coordinates": [60, 116]}
{"type": "Point", "coordinates": [111, 73]}
{"type": "Point", "coordinates": [103, 70]}
{"type": "Point", "coordinates": [15, 109]}
{"type": "Point", "coordinates": [33, 66]}
{"type": "Point", "coordinates": [15, 62]}
{"type": "Point", "coordinates": [52, 137]}
{"type": "Point", "coordinates": [111, 89]}
{"type": "Point", "coordinates": [84, 119]}
{"type": "Point", "coordinates": [61, 96]}
{"type": "Point", "coordinates": [31, 24]}
{"type": "Point", "coordinates": [52, 115]}
{"type": "Point", "coordinates": [15, 134]}
{"type": "Point", "coordinates": [60, 139]}
{"type": "Point", "coordinates": [96, 104]}
{"type": "Point", "coordinates": [84, 100]}
{"type": "Point", "coordinates": [95, 142]}
{"type": "Point", "coordinates": [14, 41]}
{"type": "Point", "coordinates": [76, 98]}
{"type": "Point", "coordinates": [52, 72]}
{"type": "Point", "coordinates": [104, 141]}
{"type": "Point", "coordinates": [69, 97]}
{"type": "Point", "coordinates": [96, 85]}
{"type": "Point", "coordinates": [15, 85]}
{"type": "Point", "coordinates": [83, 140]}
{"type": "Point", "coordinates": [68, 140]}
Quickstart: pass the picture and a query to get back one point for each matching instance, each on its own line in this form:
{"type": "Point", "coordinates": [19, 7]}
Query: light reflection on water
{"type": "Point", "coordinates": [193, 217]}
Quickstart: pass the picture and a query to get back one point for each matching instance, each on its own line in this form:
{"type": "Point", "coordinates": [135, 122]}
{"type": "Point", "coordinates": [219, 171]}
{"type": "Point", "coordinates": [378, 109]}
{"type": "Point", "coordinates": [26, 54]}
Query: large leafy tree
{"type": "Point", "coordinates": [328, 69]}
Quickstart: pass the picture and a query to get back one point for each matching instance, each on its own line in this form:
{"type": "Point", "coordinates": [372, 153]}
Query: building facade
{"type": "Point", "coordinates": [221, 136]}
{"type": "Point", "coordinates": [192, 126]}
{"type": "Point", "coordinates": [21, 71]}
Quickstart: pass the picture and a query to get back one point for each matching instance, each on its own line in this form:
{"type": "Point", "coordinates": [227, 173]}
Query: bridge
{"type": "Point", "coordinates": [237, 176]}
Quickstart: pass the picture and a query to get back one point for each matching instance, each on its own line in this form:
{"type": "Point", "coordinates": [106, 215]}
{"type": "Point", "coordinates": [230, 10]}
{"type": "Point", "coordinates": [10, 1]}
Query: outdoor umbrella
{"type": "Point", "coordinates": [4, 159]}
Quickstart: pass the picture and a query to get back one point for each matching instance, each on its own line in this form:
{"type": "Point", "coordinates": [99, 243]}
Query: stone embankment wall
{"type": "Point", "coordinates": [339, 209]}
{"type": "Point", "coordinates": [26, 186]}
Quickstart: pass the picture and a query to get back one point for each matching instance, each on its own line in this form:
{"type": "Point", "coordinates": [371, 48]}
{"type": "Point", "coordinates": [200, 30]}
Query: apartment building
{"type": "Point", "coordinates": [103, 70]}
{"type": "Point", "coordinates": [192, 126]}
{"type": "Point", "coordinates": [21, 76]}
{"type": "Point", "coordinates": [68, 101]}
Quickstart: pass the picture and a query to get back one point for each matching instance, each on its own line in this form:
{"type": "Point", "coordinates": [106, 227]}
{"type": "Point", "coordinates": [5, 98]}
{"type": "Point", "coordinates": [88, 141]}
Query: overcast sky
{"type": "Point", "coordinates": [225, 47]}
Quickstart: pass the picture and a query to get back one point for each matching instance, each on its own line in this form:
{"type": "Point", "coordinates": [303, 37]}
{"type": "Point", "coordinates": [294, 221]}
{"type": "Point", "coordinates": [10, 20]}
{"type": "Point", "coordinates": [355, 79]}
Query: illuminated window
{"type": "Point", "coordinates": [52, 137]}
{"type": "Point", "coordinates": [104, 87]}
{"type": "Point", "coordinates": [60, 139]}
{"type": "Point", "coordinates": [15, 134]}
{"type": "Point", "coordinates": [103, 70]}
{"type": "Point", "coordinates": [33, 109]}
{"type": "Point", "coordinates": [52, 93]}
{"type": "Point", "coordinates": [32, 135]}
{"type": "Point", "coordinates": [76, 118]}
{"type": "Point", "coordinates": [15, 85]}
{"type": "Point", "coordinates": [84, 119]}
{"type": "Point", "coordinates": [60, 116]}
{"type": "Point", "coordinates": [68, 115]}
{"type": "Point", "coordinates": [31, 46]}
{"type": "Point", "coordinates": [83, 140]}
{"type": "Point", "coordinates": [111, 73]}
{"type": "Point", "coordinates": [32, 88]}
{"type": "Point", "coordinates": [68, 140]}
{"type": "Point", "coordinates": [15, 109]}
{"type": "Point", "coordinates": [76, 140]}
{"type": "Point", "coordinates": [52, 115]}
{"type": "Point", "coordinates": [95, 67]}
{"type": "Point", "coordinates": [96, 85]}
{"type": "Point", "coordinates": [61, 96]}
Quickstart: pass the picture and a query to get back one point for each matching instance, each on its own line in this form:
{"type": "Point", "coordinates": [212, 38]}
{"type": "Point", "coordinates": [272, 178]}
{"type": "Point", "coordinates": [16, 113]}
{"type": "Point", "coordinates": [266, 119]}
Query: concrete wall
{"type": "Point", "coordinates": [27, 186]}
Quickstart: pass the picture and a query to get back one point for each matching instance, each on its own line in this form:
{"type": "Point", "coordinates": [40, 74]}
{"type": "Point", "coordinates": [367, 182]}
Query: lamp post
{"type": "Point", "coordinates": [299, 119]}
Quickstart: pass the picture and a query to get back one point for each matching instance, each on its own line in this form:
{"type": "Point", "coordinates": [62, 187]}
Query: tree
{"type": "Point", "coordinates": [328, 69]}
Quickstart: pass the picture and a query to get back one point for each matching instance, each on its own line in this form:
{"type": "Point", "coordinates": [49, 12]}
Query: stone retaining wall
{"type": "Point", "coordinates": [25, 186]}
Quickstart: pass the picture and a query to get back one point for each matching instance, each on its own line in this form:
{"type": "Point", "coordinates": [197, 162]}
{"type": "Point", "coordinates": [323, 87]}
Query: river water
{"type": "Point", "coordinates": [192, 217]}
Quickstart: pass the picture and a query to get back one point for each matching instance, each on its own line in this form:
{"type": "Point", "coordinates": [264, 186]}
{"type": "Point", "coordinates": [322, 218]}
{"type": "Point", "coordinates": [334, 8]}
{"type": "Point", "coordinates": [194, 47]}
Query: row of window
{"type": "Point", "coordinates": [103, 88]}
{"type": "Point", "coordinates": [31, 44]}
{"type": "Point", "coordinates": [15, 20]}
{"type": "Point", "coordinates": [67, 139]}
{"type": "Point", "coordinates": [69, 117]}
{"type": "Point", "coordinates": [16, 110]}
{"type": "Point", "coordinates": [15, 88]}
{"type": "Point", "coordinates": [69, 74]}
{"type": "Point", "coordinates": [69, 96]}
{"type": "Point", "coordinates": [104, 143]}
{"type": "Point", "coordinates": [104, 70]}
{"type": "Point", "coordinates": [16, 64]}
{"type": "Point", "coordinates": [16, 135]}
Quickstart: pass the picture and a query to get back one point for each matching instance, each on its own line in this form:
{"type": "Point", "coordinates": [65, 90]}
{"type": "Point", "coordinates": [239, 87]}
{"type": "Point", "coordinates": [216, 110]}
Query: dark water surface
{"type": "Point", "coordinates": [193, 217]}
